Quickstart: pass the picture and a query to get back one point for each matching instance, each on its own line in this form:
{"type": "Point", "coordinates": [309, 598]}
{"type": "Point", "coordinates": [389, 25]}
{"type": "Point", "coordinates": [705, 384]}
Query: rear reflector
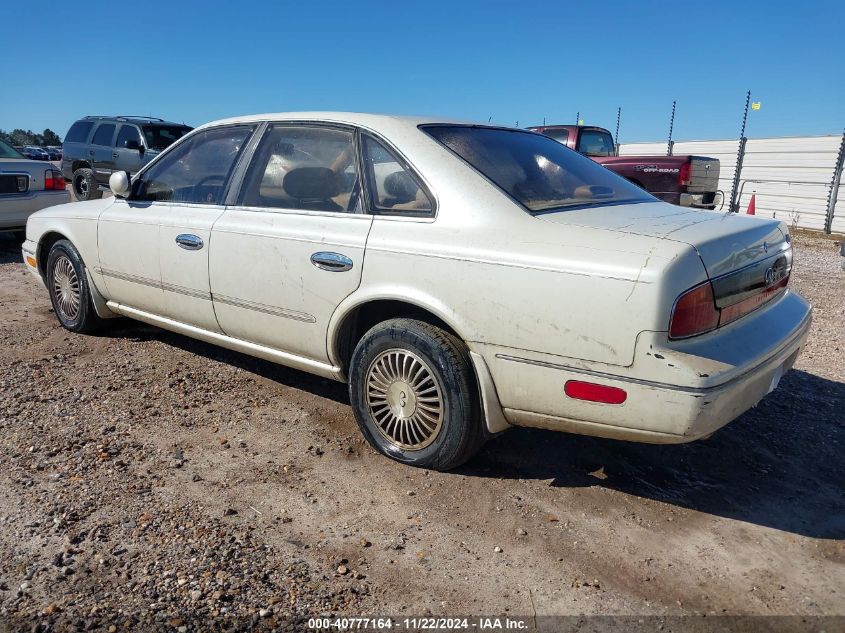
{"type": "Point", "coordinates": [592, 392]}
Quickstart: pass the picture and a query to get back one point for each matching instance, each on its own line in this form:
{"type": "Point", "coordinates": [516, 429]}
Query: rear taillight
{"type": "Point", "coordinates": [685, 174]}
{"type": "Point", "coordinates": [53, 180]}
{"type": "Point", "coordinates": [733, 312]}
{"type": "Point", "coordinates": [694, 313]}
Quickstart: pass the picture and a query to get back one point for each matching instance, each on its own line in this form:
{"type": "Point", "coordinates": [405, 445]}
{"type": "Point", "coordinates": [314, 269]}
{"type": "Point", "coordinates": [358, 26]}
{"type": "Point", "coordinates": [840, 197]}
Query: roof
{"type": "Point", "coordinates": [133, 119]}
{"type": "Point", "coordinates": [361, 119]}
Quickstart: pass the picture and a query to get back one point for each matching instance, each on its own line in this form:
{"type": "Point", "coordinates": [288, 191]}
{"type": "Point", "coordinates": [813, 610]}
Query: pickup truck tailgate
{"type": "Point", "coordinates": [704, 174]}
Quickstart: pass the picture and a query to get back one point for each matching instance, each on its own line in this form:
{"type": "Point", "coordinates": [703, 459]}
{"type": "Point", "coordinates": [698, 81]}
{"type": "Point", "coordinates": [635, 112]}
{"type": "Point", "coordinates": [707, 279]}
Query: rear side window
{"type": "Point", "coordinates": [104, 134]}
{"type": "Point", "coordinates": [595, 143]}
{"type": "Point", "coordinates": [561, 136]}
{"type": "Point", "coordinates": [78, 132]}
{"type": "Point", "coordinates": [197, 170]}
{"type": "Point", "coordinates": [304, 167]}
{"type": "Point", "coordinates": [127, 133]}
{"type": "Point", "coordinates": [395, 190]}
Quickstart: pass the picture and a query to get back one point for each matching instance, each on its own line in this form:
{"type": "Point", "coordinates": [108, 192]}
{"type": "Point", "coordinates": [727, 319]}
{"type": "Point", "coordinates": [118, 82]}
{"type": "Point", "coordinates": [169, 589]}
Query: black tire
{"type": "Point", "coordinates": [62, 285]}
{"type": "Point", "coordinates": [443, 360]}
{"type": "Point", "coordinates": [85, 185]}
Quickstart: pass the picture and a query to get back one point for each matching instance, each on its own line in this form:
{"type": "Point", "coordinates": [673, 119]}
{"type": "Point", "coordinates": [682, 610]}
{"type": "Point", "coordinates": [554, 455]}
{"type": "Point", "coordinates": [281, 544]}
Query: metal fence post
{"type": "Point", "coordinates": [740, 155]}
{"type": "Point", "coordinates": [670, 145]}
{"type": "Point", "coordinates": [834, 187]}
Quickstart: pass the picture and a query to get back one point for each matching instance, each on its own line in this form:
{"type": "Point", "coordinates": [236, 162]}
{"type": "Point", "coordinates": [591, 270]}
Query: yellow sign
{"type": "Point", "coordinates": [580, 121]}
{"type": "Point", "coordinates": [755, 105]}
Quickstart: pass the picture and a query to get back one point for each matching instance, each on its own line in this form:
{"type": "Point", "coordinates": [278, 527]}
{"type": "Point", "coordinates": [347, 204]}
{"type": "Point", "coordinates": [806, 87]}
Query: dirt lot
{"type": "Point", "coordinates": [148, 478]}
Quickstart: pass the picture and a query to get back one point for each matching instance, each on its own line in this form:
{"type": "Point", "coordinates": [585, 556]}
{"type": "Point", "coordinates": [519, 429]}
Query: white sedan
{"type": "Point", "coordinates": [461, 278]}
{"type": "Point", "coordinates": [25, 187]}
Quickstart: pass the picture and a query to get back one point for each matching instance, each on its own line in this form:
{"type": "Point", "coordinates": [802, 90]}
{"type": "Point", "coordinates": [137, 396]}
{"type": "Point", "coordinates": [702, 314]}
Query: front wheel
{"type": "Point", "coordinates": [414, 395]}
{"type": "Point", "coordinates": [69, 291]}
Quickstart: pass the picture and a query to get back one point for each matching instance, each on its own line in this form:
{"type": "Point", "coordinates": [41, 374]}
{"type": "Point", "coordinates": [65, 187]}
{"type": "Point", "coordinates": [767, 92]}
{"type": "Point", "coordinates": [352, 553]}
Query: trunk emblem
{"type": "Point", "coordinates": [770, 276]}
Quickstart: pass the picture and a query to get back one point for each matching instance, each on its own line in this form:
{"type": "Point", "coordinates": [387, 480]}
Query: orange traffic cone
{"type": "Point", "coordinates": [751, 205]}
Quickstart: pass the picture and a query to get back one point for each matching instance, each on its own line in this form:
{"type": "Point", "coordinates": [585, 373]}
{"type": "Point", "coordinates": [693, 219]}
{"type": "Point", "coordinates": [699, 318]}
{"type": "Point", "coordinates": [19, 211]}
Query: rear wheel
{"type": "Point", "coordinates": [85, 185]}
{"type": "Point", "coordinates": [69, 291]}
{"type": "Point", "coordinates": [414, 396]}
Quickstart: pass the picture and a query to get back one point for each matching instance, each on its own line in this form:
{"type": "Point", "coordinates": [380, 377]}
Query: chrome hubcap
{"type": "Point", "coordinates": [66, 288]}
{"type": "Point", "coordinates": [404, 399]}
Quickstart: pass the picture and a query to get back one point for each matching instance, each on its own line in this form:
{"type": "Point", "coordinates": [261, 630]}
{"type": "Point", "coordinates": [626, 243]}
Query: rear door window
{"type": "Point", "coordinates": [127, 133]}
{"type": "Point", "coordinates": [104, 134]}
{"type": "Point", "coordinates": [304, 167]}
{"type": "Point", "coordinates": [198, 170]}
{"type": "Point", "coordinates": [78, 132]}
{"type": "Point", "coordinates": [394, 189]}
{"type": "Point", "coordinates": [595, 143]}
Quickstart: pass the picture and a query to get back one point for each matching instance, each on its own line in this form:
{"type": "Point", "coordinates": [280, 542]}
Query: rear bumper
{"type": "Point", "coordinates": [701, 200]}
{"type": "Point", "coordinates": [719, 384]}
{"type": "Point", "coordinates": [14, 210]}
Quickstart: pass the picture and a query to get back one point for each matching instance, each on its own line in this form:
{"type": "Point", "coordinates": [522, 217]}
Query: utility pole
{"type": "Point", "coordinates": [740, 155]}
{"type": "Point", "coordinates": [671, 143]}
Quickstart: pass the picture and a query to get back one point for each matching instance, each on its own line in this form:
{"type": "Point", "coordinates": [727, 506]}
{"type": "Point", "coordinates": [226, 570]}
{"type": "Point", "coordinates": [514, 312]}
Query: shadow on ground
{"type": "Point", "coordinates": [780, 465]}
{"type": "Point", "coordinates": [10, 248]}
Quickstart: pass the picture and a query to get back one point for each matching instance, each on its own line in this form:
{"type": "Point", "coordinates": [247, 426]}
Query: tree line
{"type": "Point", "coordinates": [28, 137]}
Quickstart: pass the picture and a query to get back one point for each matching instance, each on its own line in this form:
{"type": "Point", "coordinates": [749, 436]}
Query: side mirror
{"type": "Point", "coordinates": [133, 144]}
{"type": "Point", "coordinates": [119, 184]}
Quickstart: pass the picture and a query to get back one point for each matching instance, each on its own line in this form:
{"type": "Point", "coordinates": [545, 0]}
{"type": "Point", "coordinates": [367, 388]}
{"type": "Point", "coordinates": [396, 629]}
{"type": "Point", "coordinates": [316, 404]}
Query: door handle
{"type": "Point", "coordinates": [333, 262]}
{"type": "Point", "coordinates": [90, 152]}
{"type": "Point", "coordinates": [189, 242]}
{"type": "Point", "coordinates": [115, 155]}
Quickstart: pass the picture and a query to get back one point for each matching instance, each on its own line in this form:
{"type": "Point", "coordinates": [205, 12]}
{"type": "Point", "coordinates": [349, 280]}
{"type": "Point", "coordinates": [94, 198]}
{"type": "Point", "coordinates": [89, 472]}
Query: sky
{"type": "Point", "coordinates": [513, 63]}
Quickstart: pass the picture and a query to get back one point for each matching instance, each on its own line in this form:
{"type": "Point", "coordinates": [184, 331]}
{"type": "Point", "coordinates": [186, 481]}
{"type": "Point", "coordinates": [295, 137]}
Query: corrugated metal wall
{"type": "Point", "coordinates": [790, 175]}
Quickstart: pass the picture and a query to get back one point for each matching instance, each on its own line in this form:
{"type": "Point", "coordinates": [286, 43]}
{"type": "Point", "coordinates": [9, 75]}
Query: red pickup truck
{"type": "Point", "coordinates": [690, 181]}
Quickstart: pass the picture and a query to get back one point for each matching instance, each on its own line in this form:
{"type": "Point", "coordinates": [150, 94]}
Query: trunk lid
{"type": "Point", "coordinates": [726, 242]}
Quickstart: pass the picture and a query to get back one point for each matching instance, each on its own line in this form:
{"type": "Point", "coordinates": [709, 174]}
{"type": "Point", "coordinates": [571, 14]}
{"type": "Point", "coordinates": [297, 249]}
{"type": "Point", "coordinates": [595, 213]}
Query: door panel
{"type": "Point", "coordinates": [265, 287]}
{"type": "Point", "coordinates": [128, 244]}
{"type": "Point", "coordinates": [184, 267]}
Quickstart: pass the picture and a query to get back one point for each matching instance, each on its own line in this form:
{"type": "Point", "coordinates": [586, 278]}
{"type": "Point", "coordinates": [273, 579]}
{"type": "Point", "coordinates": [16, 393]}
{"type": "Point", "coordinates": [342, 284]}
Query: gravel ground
{"type": "Point", "coordinates": [154, 482]}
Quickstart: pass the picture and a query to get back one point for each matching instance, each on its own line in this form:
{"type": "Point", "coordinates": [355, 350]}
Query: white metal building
{"type": "Point", "coordinates": [791, 176]}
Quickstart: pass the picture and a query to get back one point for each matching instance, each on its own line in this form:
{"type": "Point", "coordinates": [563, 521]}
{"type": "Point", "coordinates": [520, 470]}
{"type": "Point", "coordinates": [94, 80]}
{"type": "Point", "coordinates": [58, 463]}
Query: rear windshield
{"type": "Point", "coordinates": [161, 137]}
{"type": "Point", "coordinates": [7, 151]}
{"type": "Point", "coordinates": [536, 171]}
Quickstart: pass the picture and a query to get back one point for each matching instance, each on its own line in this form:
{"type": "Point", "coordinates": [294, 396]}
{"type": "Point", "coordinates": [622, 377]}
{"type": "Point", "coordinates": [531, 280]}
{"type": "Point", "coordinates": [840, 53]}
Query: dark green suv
{"type": "Point", "coordinates": [97, 146]}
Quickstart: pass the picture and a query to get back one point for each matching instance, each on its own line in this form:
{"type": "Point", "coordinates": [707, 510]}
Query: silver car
{"type": "Point", "coordinates": [26, 186]}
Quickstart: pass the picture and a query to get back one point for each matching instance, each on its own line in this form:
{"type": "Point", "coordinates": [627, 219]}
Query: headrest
{"type": "Point", "coordinates": [401, 185]}
{"type": "Point", "coordinates": [593, 191]}
{"type": "Point", "coordinates": [311, 183]}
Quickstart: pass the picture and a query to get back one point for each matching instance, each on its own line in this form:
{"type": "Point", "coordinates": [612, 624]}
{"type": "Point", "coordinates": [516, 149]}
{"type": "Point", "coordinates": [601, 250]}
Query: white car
{"type": "Point", "coordinates": [26, 186]}
{"type": "Point", "coordinates": [461, 278]}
